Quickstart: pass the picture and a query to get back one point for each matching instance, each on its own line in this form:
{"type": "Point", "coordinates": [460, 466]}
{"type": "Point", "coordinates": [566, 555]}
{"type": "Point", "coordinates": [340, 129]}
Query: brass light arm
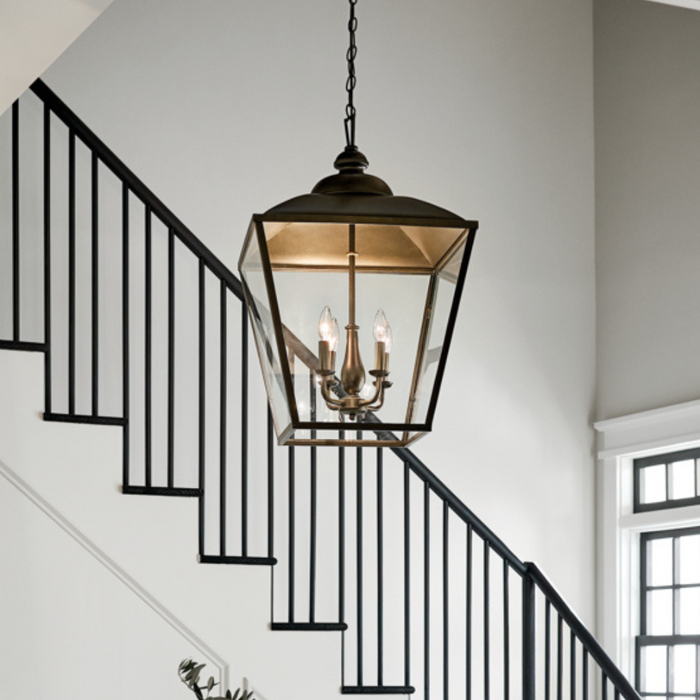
{"type": "Point", "coordinates": [381, 383]}
{"type": "Point", "coordinates": [377, 393]}
{"type": "Point", "coordinates": [333, 404]}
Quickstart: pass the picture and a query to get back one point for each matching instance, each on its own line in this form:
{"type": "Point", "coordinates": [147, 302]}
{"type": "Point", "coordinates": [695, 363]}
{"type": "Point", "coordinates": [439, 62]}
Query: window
{"type": "Point", "coordinates": [668, 646]}
{"type": "Point", "coordinates": [667, 481]}
{"type": "Point", "coordinates": [649, 548]}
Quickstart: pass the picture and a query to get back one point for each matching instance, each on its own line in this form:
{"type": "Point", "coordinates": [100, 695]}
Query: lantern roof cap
{"type": "Point", "coordinates": [356, 196]}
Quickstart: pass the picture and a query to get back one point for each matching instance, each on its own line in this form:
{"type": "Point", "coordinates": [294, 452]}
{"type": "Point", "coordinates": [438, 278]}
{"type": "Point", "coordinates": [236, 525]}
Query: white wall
{"type": "Point", "coordinates": [647, 169]}
{"type": "Point", "coordinates": [109, 581]}
{"type": "Point", "coordinates": [228, 107]}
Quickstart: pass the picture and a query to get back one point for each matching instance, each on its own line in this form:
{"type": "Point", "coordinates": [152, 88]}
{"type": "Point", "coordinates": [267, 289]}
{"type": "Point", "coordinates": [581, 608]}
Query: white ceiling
{"type": "Point", "coordinates": [691, 4]}
{"type": "Point", "coordinates": [33, 34]}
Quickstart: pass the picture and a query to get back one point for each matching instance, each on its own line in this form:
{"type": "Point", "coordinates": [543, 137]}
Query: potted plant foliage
{"type": "Point", "coordinates": [189, 672]}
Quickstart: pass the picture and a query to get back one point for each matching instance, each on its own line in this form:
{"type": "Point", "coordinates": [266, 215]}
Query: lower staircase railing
{"type": "Point", "coordinates": [136, 316]}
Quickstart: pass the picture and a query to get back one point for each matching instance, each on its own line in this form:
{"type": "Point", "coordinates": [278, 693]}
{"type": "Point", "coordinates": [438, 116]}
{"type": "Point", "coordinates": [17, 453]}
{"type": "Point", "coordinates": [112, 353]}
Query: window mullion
{"type": "Point", "coordinates": [676, 580]}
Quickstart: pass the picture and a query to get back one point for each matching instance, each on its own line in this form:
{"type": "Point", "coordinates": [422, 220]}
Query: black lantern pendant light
{"type": "Point", "coordinates": [353, 246]}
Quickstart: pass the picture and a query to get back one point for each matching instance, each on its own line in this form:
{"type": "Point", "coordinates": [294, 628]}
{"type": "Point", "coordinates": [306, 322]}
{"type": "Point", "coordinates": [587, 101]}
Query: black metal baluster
{"type": "Point", "coordinates": [202, 404]}
{"type": "Point", "coordinates": [560, 658]}
{"type": "Point", "coordinates": [71, 272]}
{"type": "Point", "coordinates": [487, 611]}
{"type": "Point", "coordinates": [291, 534]}
{"type": "Point", "coordinates": [359, 563]}
{"type": "Point", "coordinates": [572, 661]}
{"type": "Point", "coordinates": [380, 566]}
{"type": "Point", "coordinates": [126, 379]}
{"type": "Point", "coordinates": [244, 430]}
{"type": "Point", "coordinates": [584, 671]}
{"type": "Point", "coordinates": [171, 358]}
{"type": "Point", "coordinates": [426, 590]}
{"type": "Point", "coordinates": [468, 628]}
{"type": "Point", "coordinates": [547, 650]}
{"type": "Point", "coordinates": [604, 684]}
{"type": "Point", "coordinates": [341, 533]}
{"type": "Point", "coordinates": [506, 631]}
{"type": "Point", "coordinates": [529, 639]}
{"type": "Point", "coordinates": [270, 485]}
{"type": "Point", "coordinates": [445, 601]}
{"type": "Point", "coordinates": [148, 342]}
{"type": "Point", "coordinates": [95, 285]}
{"type": "Point", "coordinates": [223, 417]}
{"type": "Point", "coordinates": [312, 506]}
{"type": "Point", "coordinates": [15, 225]}
{"type": "Point", "coordinates": [407, 572]}
{"type": "Point", "coordinates": [47, 259]}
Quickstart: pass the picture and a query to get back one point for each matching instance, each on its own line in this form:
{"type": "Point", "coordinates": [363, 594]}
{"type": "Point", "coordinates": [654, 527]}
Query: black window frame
{"type": "Point", "coordinates": [667, 459]}
{"type": "Point", "coordinates": [675, 639]}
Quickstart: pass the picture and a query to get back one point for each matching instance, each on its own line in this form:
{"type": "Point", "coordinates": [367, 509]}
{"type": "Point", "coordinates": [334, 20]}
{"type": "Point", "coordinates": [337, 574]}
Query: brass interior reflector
{"type": "Point", "coordinates": [417, 249]}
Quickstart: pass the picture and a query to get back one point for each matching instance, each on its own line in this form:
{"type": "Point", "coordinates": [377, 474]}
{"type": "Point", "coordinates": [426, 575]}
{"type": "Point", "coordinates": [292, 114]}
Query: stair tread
{"type": "Point", "coordinates": [85, 419]}
{"type": "Point", "coordinates": [22, 345]}
{"type": "Point", "coordinates": [230, 559]}
{"type": "Point", "coordinates": [162, 491]}
{"type": "Point", "coordinates": [309, 626]}
{"type": "Point", "coordinates": [377, 689]}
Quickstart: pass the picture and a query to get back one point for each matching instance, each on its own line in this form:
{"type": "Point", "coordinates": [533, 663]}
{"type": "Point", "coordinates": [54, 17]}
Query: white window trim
{"type": "Point", "coordinates": [620, 441]}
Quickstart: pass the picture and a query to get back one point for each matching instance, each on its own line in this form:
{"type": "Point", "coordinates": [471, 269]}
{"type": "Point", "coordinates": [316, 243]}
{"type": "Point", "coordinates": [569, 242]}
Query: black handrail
{"type": "Point", "coordinates": [459, 508]}
{"type": "Point", "coordinates": [135, 184]}
{"type": "Point", "coordinates": [589, 642]}
{"type": "Point", "coordinates": [457, 505]}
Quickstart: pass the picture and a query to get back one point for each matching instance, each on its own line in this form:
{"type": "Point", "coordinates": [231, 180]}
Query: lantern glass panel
{"type": "Point", "coordinates": [428, 361]}
{"type": "Point", "coordinates": [301, 299]}
{"type": "Point", "coordinates": [263, 332]}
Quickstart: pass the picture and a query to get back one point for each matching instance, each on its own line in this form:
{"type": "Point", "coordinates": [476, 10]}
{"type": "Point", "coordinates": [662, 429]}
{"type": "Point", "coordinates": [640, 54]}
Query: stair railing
{"type": "Point", "coordinates": [422, 590]}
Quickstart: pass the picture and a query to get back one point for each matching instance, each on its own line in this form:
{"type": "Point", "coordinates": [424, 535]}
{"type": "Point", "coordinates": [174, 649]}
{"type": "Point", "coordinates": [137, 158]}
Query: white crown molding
{"type": "Point", "coordinates": [649, 431]}
{"type": "Point", "coordinates": [132, 584]}
{"type": "Point", "coordinates": [689, 408]}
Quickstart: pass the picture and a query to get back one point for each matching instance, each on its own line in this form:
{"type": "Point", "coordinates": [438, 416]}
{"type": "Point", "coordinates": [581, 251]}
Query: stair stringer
{"type": "Point", "coordinates": [75, 470]}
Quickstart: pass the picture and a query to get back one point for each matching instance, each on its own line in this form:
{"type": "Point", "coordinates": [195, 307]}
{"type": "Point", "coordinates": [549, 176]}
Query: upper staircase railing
{"type": "Point", "coordinates": [144, 328]}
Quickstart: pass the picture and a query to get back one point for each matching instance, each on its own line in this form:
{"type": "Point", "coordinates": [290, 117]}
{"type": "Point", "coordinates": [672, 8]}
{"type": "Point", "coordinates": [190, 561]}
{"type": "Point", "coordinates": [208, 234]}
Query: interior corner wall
{"type": "Point", "coordinates": [227, 107]}
{"type": "Point", "coordinates": [647, 119]}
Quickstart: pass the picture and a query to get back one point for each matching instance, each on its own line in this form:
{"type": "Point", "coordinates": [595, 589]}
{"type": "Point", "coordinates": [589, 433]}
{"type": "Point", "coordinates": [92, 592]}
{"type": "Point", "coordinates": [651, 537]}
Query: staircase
{"type": "Point", "coordinates": [367, 543]}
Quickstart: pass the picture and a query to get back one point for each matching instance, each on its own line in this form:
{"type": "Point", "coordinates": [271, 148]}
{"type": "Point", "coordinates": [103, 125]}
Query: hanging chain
{"type": "Point", "coordinates": [350, 110]}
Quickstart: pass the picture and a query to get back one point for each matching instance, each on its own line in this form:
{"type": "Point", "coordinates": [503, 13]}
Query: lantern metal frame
{"type": "Point", "coordinates": [348, 209]}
